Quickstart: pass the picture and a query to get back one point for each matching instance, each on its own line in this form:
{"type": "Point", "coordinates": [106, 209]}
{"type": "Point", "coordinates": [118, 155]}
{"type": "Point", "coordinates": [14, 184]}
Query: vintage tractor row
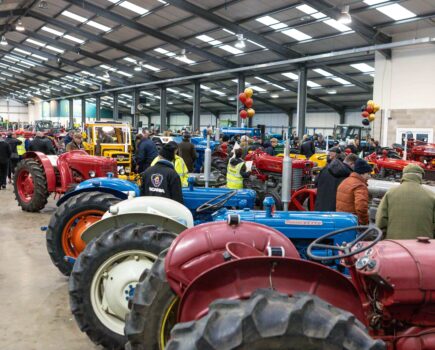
{"type": "Point", "coordinates": [39, 175]}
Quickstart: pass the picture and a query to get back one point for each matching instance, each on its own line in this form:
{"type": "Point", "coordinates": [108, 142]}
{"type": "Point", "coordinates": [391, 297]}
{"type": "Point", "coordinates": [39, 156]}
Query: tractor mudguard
{"type": "Point", "coordinates": [121, 195]}
{"type": "Point", "coordinates": [48, 168]}
{"type": "Point", "coordinates": [238, 279]}
{"type": "Point", "coordinates": [122, 220]}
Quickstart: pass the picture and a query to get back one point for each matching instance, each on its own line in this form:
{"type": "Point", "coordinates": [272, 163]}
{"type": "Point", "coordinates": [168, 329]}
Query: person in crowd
{"type": "Point", "coordinates": [269, 147]}
{"type": "Point", "coordinates": [333, 153]}
{"type": "Point", "coordinates": [225, 143]}
{"type": "Point", "coordinates": [187, 151]}
{"type": "Point", "coordinates": [307, 147]}
{"type": "Point", "coordinates": [5, 157]}
{"type": "Point", "coordinates": [161, 179]}
{"type": "Point", "coordinates": [353, 193]}
{"type": "Point", "coordinates": [329, 179]}
{"type": "Point", "coordinates": [15, 158]}
{"type": "Point", "coordinates": [244, 145]}
{"type": "Point", "coordinates": [179, 164]}
{"type": "Point", "coordinates": [21, 147]}
{"type": "Point", "coordinates": [102, 137]}
{"type": "Point", "coordinates": [41, 144]}
{"type": "Point", "coordinates": [146, 152]}
{"type": "Point", "coordinates": [320, 143]}
{"type": "Point", "coordinates": [76, 143]}
{"type": "Point", "coordinates": [68, 138]}
{"type": "Point", "coordinates": [352, 146]}
{"type": "Point", "coordinates": [236, 171]}
{"type": "Point", "coordinates": [137, 141]}
{"type": "Point", "coordinates": [408, 211]}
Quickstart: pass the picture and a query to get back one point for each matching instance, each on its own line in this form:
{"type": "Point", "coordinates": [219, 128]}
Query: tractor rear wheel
{"type": "Point", "coordinates": [105, 275]}
{"type": "Point", "coordinates": [220, 165]}
{"type": "Point", "coordinates": [30, 185]}
{"type": "Point", "coordinates": [68, 223]}
{"type": "Point", "coordinates": [273, 321]}
{"type": "Point", "coordinates": [153, 311]}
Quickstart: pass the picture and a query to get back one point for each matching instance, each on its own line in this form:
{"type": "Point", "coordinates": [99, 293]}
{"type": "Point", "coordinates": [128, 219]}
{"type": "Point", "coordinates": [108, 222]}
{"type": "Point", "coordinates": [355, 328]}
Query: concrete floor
{"type": "Point", "coordinates": [34, 301]}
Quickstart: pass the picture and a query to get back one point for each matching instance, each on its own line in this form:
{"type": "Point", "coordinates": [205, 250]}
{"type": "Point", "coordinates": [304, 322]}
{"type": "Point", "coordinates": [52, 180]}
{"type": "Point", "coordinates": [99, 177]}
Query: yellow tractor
{"type": "Point", "coordinates": [111, 140]}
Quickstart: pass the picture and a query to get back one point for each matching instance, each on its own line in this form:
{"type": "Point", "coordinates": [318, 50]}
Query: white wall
{"type": "Point", "coordinates": [13, 111]}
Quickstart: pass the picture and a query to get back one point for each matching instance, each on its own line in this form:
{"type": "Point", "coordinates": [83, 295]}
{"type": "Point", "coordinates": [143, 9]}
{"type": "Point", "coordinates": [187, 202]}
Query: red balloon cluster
{"type": "Point", "coordinates": [368, 112]}
{"type": "Point", "coordinates": [246, 98]}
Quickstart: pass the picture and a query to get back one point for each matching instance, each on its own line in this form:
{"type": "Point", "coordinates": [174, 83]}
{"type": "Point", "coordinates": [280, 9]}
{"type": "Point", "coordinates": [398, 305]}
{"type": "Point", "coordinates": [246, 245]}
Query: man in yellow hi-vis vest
{"type": "Point", "coordinates": [236, 171]}
{"type": "Point", "coordinates": [21, 148]}
{"type": "Point", "coordinates": [179, 165]}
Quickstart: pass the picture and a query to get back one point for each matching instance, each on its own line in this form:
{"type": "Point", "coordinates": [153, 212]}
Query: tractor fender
{"type": "Point", "coordinates": [238, 279]}
{"type": "Point", "coordinates": [48, 163]}
{"type": "Point", "coordinates": [118, 221]}
{"type": "Point", "coordinates": [119, 194]}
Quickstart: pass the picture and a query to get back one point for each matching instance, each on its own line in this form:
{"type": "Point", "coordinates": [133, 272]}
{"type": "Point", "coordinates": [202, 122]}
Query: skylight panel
{"type": "Point", "coordinates": [312, 84]}
{"type": "Point", "coordinates": [186, 95]}
{"type": "Point", "coordinates": [40, 57]}
{"type": "Point", "coordinates": [363, 67]}
{"type": "Point", "coordinates": [22, 51]}
{"type": "Point", "coordinates": [374, 2]}
{"type": "Point", "coordinates": [172, 90]}
{"type": "Point", "coordinates": [296, 34]}
{"type": "Point", "coordinates": [337, 25]}
{"type": "Point", "coordinates": [291, 75]}
{"type": "Point", "coordinates": [318, 15]}
{"type": "Point", "coordinates": [396, 12]}
{"type": "Point", "coordinates": [231, 49]}
{"type": "Point", "coordinates": [53, 48]}
{"type": "Point", "coordinates": [99, 26]}
{"type": "Point", "coordinates": [205, 87]}
{"type": "Point", "coordinates": [267, 20]}
{"type": "Point", "coordinates": [128, 59]}
{"type": "Point", "coordinates": [341, 81]}
{"type": "Point", "coordinates": [215, 42]}
{"type": "Point", "coordinates": [263, 80]}
{"type": "Point", "coordinates": [52, 31]}
{"type": "Point", "coordinates": [73, 16]}
{"type": "Point", "coordinates": [205, 38]}
{"type": "Point", "coordinates": [228, 31]}
{"type": "Point", "coordinates": [217, 92]}
{"type": "Point", "coordinates": [134, 8]}
{"type": "Point", "coordinates": [147, 93]}
{"type": "Point", "coordinates": [322, 72]}
{"type": "Point", "coordinates": [185, 59]}
{"type": "Point", "coordinates": [124, 73]}
{"type": "Point", "coordinates": [73, 38]}
{"type": "Point", "coordinates": [150, 67]}
{"type": "Point", "coordinates": [259, 89]}
{"type": "Point", "coordinates": [35, 42]}
{"type": "Point", "coordinates": [162, 51]}
{"type": "Point", "coordinates": [279, 25]}
{"type": "Point", "coordinates": [279, 86]}
{"type": "Point", "coordinates": [311, 11]}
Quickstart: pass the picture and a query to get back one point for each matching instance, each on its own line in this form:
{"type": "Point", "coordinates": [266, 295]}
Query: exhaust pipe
{"type": "Point", "coordinates": [207, 162]}
{"type": "Point", "coordinates": [286, 176]}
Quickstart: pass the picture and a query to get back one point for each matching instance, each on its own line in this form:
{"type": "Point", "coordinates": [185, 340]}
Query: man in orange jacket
{"type": "Point", "coordinates": [353, 193]}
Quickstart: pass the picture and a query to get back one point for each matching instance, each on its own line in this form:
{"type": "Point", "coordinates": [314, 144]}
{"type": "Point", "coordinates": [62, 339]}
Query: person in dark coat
{"type": "Point", "coordinates": [5, 157]}
{"type": "Point", "coordinates": [41, 144]}
{"type": "Point", "coordinates": [186, 150]}
{"type": "Point", "coordinates": [146, 152]}
{"type": "Point", "coordinates": [161, 179]}
{"type": "Point", "coordinates": [68, 138]}
{"type": "Point", "coordinates": [269, 147]}
{"type": "Point", "coordinates": [329, 179]}
{"type": "Point", "coordinates": [13, 143]}
{"type": "Point", "coordinates": [308, 148]}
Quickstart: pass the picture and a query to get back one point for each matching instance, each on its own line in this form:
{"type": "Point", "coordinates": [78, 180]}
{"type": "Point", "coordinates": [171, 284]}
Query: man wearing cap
{"type": "Point", "coordinates": [161, 179]}
{"type": "Point", "coordinates": [187, 151]}
{"type": "Point", "coordinates": [76, 143]}
{"type": "Point", "coordinates": [353, 193]}
{"type": "Point", "coordinates": [408, 210]}
{"type": "Point", "coordinates": [146, 152]}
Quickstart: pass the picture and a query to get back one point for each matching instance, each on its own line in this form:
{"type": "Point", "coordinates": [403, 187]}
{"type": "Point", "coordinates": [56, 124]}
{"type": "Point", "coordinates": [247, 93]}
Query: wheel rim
{"type": "Point", "coordinates": [72, 242]}
{"type": "Point", "coordinates": [168, 322]}
{"type": "Point", "coordinates": [113, 285]}
{"type": "Point", "coordinates": [25, 186]}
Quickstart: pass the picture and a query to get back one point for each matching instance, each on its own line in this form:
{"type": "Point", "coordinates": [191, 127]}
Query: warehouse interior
{"type": "Point", "coordinates": [176, 67]}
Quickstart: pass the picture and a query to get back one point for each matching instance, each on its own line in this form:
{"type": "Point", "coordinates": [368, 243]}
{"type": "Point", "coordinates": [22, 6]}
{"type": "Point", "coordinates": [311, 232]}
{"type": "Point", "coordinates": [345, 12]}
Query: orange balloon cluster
{"type": "Point", "coordinates": [369, 112]}
{"type": "Point", "coordinates": [246, 98]}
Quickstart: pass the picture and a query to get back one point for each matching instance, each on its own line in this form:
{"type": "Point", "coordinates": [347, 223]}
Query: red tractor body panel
{"type": "Point", "coordinates": [267, 163]}
{"type": "Point", "coordinates": [391, 163]}
{"type": "Point", "coordinates": [200, 248]}
{"type": "Point", "coordinates": [238, 279]}
{"type": "Point", "coordinates": [415, 338]}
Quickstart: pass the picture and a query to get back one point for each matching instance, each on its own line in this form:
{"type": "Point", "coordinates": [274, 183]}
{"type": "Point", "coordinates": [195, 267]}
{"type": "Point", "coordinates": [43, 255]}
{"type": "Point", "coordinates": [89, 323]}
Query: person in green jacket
{"type": "Point", "coordinates": [408, 211]}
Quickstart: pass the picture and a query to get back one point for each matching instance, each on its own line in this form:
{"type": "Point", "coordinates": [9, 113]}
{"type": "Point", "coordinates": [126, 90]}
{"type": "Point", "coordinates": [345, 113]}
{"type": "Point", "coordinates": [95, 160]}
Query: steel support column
{"type": "Point", "coordinates": [71, 113]}
{"type": "Point", "coordinates": [98, 108]}
{"type": "Point", "coordinates": [134, 110]}
{"type": "Point", "coordinates": [302, 101]}
{"type": "Point", "coordinates": [115, 107]}
{"type": "Point", "coordinates": [240, 88]}
{"type": "Point", "coordinates": [163, 108]}
{"type": "Point", "coordinates": [196, 123]}
{"type": "Point", "coordinates": [342, 117]}
{"type": "Point", "coordinates": [83, 111]}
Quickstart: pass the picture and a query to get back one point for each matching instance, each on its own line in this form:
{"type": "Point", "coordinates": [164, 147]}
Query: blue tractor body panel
{"type": "Point", "coordinates": [200, 145]}
{"type": "Point", "coordinates": [251, 132]}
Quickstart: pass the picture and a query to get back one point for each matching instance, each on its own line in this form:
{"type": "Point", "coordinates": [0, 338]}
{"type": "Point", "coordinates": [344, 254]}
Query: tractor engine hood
{"type": "Point", "coordinates": [265, 162]}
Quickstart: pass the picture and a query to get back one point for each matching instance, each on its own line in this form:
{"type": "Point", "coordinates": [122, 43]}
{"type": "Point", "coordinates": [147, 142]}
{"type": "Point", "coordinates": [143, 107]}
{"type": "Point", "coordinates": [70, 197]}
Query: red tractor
{"type": "Point", "coordinates": [425, 154]}
{"type": "Point", "coordinates": [266, 180]}
{"type": "Point", "coordinates": [38, 175]}
{"type": "Point", "coordinates": [243, 286]}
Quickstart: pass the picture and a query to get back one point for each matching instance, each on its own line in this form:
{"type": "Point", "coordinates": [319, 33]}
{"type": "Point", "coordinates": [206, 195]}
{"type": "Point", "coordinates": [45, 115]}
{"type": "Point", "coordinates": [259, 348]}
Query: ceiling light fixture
{"type": "Point", "coordinates": [20, 27]}
{"type": "Point", "coordinates": [345, 17]}
{"type": "Point", "coordinates": [274, 95]}
{"type": "Point", "coordinates": [332, 92]}
{"type": "Point", "coordinates": [3, 42]}
{"type": "Point", "coordinates": [43, 4]}
{"type": "Point", "coordinates": [240, 44]}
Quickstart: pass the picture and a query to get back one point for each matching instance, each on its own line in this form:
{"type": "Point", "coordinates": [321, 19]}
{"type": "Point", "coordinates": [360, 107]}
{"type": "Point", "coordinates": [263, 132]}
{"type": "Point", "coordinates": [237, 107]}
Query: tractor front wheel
{"type": "Point", "coordinates": [105, 275]}
{"type": "Point", "coordinates": [273, 321]}
{"type": "Point", "coordinates": [30, 185]}
{"type": "Point", "coordinates": [69, 222]}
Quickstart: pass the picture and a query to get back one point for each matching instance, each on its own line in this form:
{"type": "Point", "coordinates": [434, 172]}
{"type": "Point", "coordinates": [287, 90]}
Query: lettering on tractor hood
{"type": "Point", "coordinates": [304, 222]}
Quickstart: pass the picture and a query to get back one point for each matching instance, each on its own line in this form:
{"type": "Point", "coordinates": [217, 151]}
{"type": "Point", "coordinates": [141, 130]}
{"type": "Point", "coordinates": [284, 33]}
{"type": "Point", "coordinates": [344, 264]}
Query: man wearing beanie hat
{"type": "Point", "coordinates": [353, 193]}
{"type": "Point", "coordinates": [408, 210]}
{"type": "Point", "coordinates": [161, 179]}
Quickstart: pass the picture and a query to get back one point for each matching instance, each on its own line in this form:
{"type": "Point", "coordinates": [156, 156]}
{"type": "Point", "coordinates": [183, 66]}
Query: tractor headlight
{"type": "Point", "coordinates": [91, 173]}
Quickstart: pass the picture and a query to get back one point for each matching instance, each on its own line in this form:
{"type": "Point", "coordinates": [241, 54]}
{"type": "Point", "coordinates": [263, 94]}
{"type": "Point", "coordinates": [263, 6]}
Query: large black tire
{"type": "Point", "coordinates": [88, 201]}
{"type": "Point", "coordinates": [220, 165]}
{"type": "Point", "coordinates": [133, 237]}
{"type": "Point", "coordinates": [273, 321]}
{"type": "Point", "coordinates": [152, 300]}
{"type": "Point", "coordinates": [40, 192]}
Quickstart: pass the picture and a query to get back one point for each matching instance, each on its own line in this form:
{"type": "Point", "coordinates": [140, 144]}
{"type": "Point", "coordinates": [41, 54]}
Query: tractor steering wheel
{"type": "Point", "coordinates": [345, 250]}
{"type": "Point", "coordinates": [216, 203]}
